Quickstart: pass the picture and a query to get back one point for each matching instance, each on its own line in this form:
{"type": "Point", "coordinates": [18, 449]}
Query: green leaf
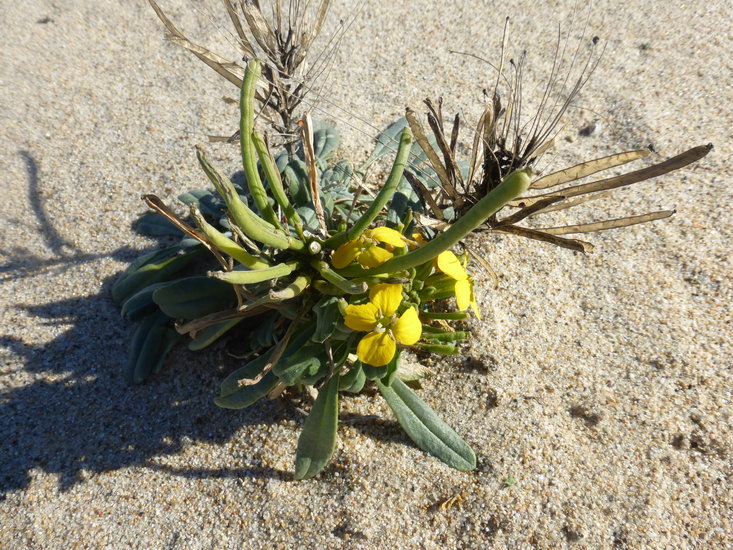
{"type": "Point", "coordinates": [391, 369]}
{"type": "Point", "coordinates": [445, 336]}
{"type": "Point", "coordinates": [211, 334]}
{"type": "Point", "coordinates": [374, 373]}
{"type": "Point", "coordinates": [150, 344]}
{"type": "Point", "coordinates": [325, 140]}
{"type": "Point", "coordinates": [404, 197]}
{"type": "Point", "coordinates": [194, 297]}
{"type": "Point", "coordinates": [335, 181]}
{"type": "Point", "coordinates": [141, 304]}
{"type": "Point", "coordinates": [153, 224]}
{"type": "Point", "coordinates": [327, 317]}
{"type": "Point", "coordinates": [208, 203]}
{"type": "Point", "coordinates": [295, 176]}
{"type": "Point", "coordinates": [317, 441]}
{"type": "Point", "coordinates": [425, 428]}
{"type": "Point", "coordinates": [353, 381]}
{"type": "Point", "coordinates": [231, 384]}
{"type": "Point", "coordinates": [262, 335]}
{"type": "Point", "coordinates": [303, 361]}
{"type": "Point", "coordinates": [450, 315]}
{"type": "Point", "coordinates": [386, 141]}
{"type": "Point", "coordinates": [151, 268]}
{"type": "Point", "coordinates": [247, 395]}
{"type": "Point", "coordinates": [443, 349]}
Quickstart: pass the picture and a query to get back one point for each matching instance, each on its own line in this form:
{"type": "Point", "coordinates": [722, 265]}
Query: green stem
{"type": "Point", "coordinates": [249, 159]}
{"type": "Point", "coordinates": [513, 186]}
{"type": "Point", "coordinates": [294, 289]}
{"type": "Point", "coordinates": [276, 184]}
{"type": "Point", "coordinates": [224, 243]}
{"type": "Point", "coordinates": [448, 315]}
{"type": "Point", "coordinates": [403, 152]}
{"type": "Point", "coordinates": [337, 280]}
{"type": "Point", "coordinates": [247, 277]}
{"type": "Point", "coordinates": [250, 223]}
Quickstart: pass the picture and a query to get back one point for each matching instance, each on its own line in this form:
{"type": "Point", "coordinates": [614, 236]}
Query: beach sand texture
{"type": "Point", "coordinates": [597, 391]}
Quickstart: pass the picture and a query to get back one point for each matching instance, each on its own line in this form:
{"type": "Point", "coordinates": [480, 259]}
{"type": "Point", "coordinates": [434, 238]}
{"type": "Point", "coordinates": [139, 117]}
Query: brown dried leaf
{"type": "Point", "coordinates": [159, 206]}
{"type": "Point", "coordinates": [587, 168]}
{"type": "Point", "coordinates": [306, 129]}
{"type": "Point", "coordinates": [422, 140]}
{"type": "Point", "coordinates": [244, 41]}
{"type": "Point", "coordinates": [563, 205]}
{"type": "Point", "coordinates": [659, 169]}
{"type": "Point", "coordinates": [571, 244]}
{"type": "Point", "coordinates": [219, 64]}
{"type": "Point", "coordinates": [608, 224]}
{"type": "Point", "coordinates": [450, 162]}
{"type": "Point", "coordinates": [259, 27]}
{"type": "Point", "coordinates": [425, 194]}
{"type": "Point", "coordinates": [528, 211]}
{"type": "Point", "coordinates": [477, 153]}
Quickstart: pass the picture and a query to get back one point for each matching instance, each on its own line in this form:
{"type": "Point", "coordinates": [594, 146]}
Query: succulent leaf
{"type": "Point", "coordinates": [317, 441]}
{"type": "Point", "coordinates": [426, 428]}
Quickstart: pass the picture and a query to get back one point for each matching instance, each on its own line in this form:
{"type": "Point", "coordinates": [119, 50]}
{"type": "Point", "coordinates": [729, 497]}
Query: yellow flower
{"type": "Point", "coordinates": [449, 264]}
{"type": "Point", "coordinates": [379, 318]}
{"type": "Point", "coordinates": [365, 248]}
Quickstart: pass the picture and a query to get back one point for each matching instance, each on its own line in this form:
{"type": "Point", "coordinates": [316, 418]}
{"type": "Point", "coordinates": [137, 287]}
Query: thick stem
{"type": "Point", "coordinates": [246, 277]}
{"type": "Point", "coordinates": [249, 158]}
{"type": "Point", "coordinates": [276, 184]}
{"type": "Point", "coordinates": [513, 186]}
{"type": "Point", "coordinates": [250, 223]}
{"type": "Point", "coordinates": [224, 243]}
{"type": "Point", "coordinates": [403, 152]}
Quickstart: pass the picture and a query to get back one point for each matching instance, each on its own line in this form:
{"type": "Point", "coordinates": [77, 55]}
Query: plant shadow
{"type": "Point", "coordinates": [78, 413]}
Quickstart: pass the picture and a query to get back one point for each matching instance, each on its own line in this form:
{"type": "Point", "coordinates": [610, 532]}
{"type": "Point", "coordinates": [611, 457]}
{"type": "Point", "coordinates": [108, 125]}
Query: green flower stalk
{"type": "Point", "coordinates": [249, 159]}
{"type": "Point", "coordinates": [513, 186]}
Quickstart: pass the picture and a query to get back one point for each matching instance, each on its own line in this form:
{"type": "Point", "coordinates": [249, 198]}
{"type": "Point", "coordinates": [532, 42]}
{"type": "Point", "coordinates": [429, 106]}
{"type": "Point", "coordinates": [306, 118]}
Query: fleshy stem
{"type": "Point", "coordinates": [224, 243]}
{"type": "Point", "coordinates": [395, 175]}
{"type": "Point", "coordinates": [337, 280]}
{"type": "Point", "coordinates": [250, 223]}
{"type": "Point", "coordinates": [246, 277]}
{"type": "Point", "coordinates": [513, 186]}
{"type": "Point", "coordinates": [249, 158]}
{"type": "Point", "coordinates": [276, 184]}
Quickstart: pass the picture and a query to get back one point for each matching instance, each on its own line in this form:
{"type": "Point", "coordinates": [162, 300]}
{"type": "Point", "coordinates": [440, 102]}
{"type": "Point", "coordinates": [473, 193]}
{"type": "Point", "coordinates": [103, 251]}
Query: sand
{"type": "Point", "coordinates": [597, 392]}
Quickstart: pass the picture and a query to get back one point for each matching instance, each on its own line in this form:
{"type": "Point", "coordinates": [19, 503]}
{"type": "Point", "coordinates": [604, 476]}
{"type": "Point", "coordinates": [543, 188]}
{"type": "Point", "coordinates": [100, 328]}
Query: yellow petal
{"type": "Point", "coordinates": [463, 294]}
{"type": "Point", "coordinates": [386, 296]}
{"type": "Point", "coordinates": [389, 236]}
{"type": "Point", "coordinates": [374, 256]}
{"type": "Point", "coordinates": [448, 263]}
{"type": "Point", "coordinates": [408, 328]}
{"type": "Point", "coordinates": [361, 317]}
{"type": "Point", "coordinates": [345, 254]}
{"type": "Point", "coordinates": [376, 349]}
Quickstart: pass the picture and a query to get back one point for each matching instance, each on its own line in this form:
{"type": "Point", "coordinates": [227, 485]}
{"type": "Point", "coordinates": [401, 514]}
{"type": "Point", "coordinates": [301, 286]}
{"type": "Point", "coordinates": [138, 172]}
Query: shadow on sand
{"type": "Point", "coordinates": [78, 412]}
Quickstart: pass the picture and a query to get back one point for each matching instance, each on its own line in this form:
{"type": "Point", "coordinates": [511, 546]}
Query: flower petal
{"type": "Point", "coordinates": [345, 254]}
{"type": "Point", "coordinates": [374, 256]}
{"type": "Point", "coordinates": [376, 349]}
{"type": "Point", "coordinates": [361, 317]}
{"type": "Point", "coordinates": [386, 296]}
{"type": "Point", "coordinates": [463, 294]}
{"type": "Point", "coordinates": [389, 236]}
{"type": "Point", "coordinates": [408, 328]}
{"type": "Point", "coordinates": [448, 263]}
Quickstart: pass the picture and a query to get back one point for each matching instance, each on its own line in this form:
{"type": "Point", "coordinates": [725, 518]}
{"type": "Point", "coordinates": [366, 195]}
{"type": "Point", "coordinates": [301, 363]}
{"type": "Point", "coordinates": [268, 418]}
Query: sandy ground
{"type": "Point", "coordinates": [600, 384]}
